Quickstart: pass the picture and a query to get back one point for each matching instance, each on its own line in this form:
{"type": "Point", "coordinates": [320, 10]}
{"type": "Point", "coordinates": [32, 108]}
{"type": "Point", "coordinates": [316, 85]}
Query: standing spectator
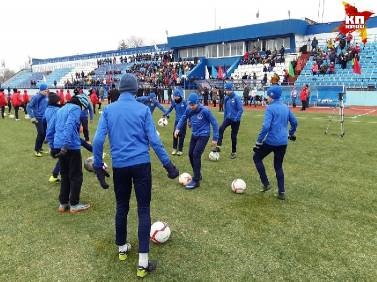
{"type": "Point", "coordinates": [304, 97]}
{"type": "Point", "coordinates": [314, 43]}
{"type": "Point", "coordinates": [214, 96]}
{"type": "Point", "coordinates": [94, 99]}
{"type": "Point", "coordinates": [25, 101]}
{"type": "Point", "coordinates": [205, 96]}
{"type": "Point", "coordinates": [131, 130]}
{"type": "Point", "coordinates": [101, 93]}
{"type": "Point", "coordinates": [221, 99]}
{"type": "Point", "coordinates": [245, 93]}
{"type": "Point", "coordinates": [3, 102]}
{"type": "Point", "coordinates": [64, 139]}
{"type": "Point", "coordinates": [36, 109]}
{"type": "Point", "coordinates": [113, 94]}
{"type": "Point", "coordinates": [68, 96]}
{"type": "Point", "coordinates": [17, 103]}
{"type": "Point", "coordinates": [294, 96]}
{"type": "Point", "coordinates": [349, 38]}
{"type": "Point", "coordinates": [180, 105]}
{"type": "Point", "coordinates": [61, 98]}
{"type": "Point", "coordinates": [201, 118]}
{"type": "Point", "coordinates": [273, 137]}
{"type": "Point", "coordinates": [232, 116]}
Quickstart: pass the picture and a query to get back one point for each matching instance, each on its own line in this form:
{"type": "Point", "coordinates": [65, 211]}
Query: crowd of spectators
{"type": "Point", "coordinates": [267, 57]}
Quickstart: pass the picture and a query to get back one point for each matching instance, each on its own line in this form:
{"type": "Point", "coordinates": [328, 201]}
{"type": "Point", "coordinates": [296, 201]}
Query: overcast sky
{"type": "Point", "coordinates": [44, 29]}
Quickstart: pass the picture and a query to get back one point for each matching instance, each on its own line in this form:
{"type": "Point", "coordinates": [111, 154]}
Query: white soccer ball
{"type": "Point", "coordinates": [214, 156]}
{"type": "Point", "coordinates": [11, 116]}
{"type": "Point", "coordinates": [163, 122]}
{"type": "Point", "coordinates": [184, 178]}
{"type": "Point", "coordinates": [238, 186]}
{"type": "Point", "coordinates": [160, 232]}
{"type": "Point", "coordinates": [88, 164]}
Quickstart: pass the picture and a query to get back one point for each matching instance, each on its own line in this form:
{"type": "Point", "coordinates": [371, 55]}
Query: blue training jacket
{"type": "Point", "coordinates": [37, 106]}
{"type": "Point", "coordinates": [152, 103]}
{"type": "Point", "coordinates": [65, 128]}
{"type": "Point", "coordinates": [131, 130]}
{"type": "Point", "coordinates": [200, 119]}
{"type": "Point", "coordinates": [180, 109]}
{"type": "Point", "coordinates": [233, 107]}
{"type": "Point", "coordinates": [50, 114]}
{"type": "Point", "coordinates": [275, 125]}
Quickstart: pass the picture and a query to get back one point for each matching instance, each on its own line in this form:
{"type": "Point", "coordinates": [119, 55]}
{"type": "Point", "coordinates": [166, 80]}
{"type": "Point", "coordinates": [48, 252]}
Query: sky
{"type": "Point", "coordinates": [48, 28]}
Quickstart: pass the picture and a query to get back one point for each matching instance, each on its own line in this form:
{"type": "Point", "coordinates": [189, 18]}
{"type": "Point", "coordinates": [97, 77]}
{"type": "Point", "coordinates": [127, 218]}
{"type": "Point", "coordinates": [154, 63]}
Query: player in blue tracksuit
{"type": "Point", "coordinates": [200, 118]}
{"type": "Point", "coordinates": [36, 109]}
{"type": "Point", "coordinates": [179, 105]}
{"type": "Point", "coordinates": [51, 110]}
{"type": "Point", "coordinates": [84, 118]}
{"type": "Point", "coordinates": [130, 127]}
{"type": "Point", "coordinates": [151, 102]}
{"type": "Point", "coordinates": [63, 136]}
{"type": "Point", "coordinates": [273, 137]}
{"type": "Point", "coordinates": [232, 116]}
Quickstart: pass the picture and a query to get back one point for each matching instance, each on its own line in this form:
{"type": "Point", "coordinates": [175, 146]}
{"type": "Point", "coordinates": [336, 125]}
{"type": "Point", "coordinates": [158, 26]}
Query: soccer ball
{"type": "Point", "coordinates": [88, 164]}
{"type": "Point", "coordinates": [238, 186]}
{"type": "Point", "coordinates": [184, 178]}
{"type": "Point", "coordinates": [214, 156]}
{"type": "Point", "coordinates": [163, 122]}
{"type": "Point", "coordinates": [11, 116]}
{"type": "Point", "coordinates": [160, 232]}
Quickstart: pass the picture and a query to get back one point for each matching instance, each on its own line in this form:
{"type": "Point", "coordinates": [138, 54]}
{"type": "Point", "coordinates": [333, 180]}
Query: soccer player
{"type": "Point", "coordinates": [3, 102]}
{"type": "Point", "coordinates": [36, 109]}
{"type": "Point", "coordinates": [151, 102]}
{"type": "Point", "coordinates": [232, 116]}
{"type": "Point", "coordinates": [131, 130]}
{"type": "Point", "coordinates": [64, 137]}
{"type": "Point", "coordinates": [180, 105]}
{"type": "Point", "coordinates": [273, 137]}
{"type": "Point", "coordinates": [200, 118]}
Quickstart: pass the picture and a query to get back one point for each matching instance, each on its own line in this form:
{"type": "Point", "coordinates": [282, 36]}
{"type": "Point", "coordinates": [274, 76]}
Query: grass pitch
{"type": "Point", "coordinates": [325, 230]}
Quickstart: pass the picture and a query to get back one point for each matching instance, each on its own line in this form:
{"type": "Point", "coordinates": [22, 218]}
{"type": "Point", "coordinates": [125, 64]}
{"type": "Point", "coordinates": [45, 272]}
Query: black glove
{"type": "Point", "coordinates": [54, 153]}
{"type": "Point", "coordinates": [62, 152]}
{"type": "Point", "coordinates": [101, 173]}
{"type": "Point", "coordinates": [292, 137]}
{"type": "Point", "coordinates": [257, 147]}
{"type": "Point", "coordinates": [173, 172]}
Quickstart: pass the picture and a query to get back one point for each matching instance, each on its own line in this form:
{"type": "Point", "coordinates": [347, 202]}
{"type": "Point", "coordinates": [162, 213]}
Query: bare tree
{"type": "Point", "coordinates": [131, 42]}
{"type": "Point", "coordinates": [5, 74]}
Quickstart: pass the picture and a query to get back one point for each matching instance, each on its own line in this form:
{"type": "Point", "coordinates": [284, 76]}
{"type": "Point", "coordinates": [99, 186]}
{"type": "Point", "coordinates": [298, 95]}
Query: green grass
{"type": "Point", "coordinates": [325, 230]}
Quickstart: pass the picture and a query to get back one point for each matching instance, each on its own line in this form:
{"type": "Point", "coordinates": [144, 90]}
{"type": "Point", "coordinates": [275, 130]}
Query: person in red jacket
{"type": "Point", "coordinates": [16, 102]}
{"type": "Point", "coordinates": [3, 102]}
{"type": "Point", "coordinates": [68, 96]}
{"type": "Point", "coordinates": [61, 97]}
{"type": "Point", "coordinates": [304, 94]}
{"type": "Point", "coordinates": [25, 101]}
{"type": "Point", "coordinates": [94, 99]}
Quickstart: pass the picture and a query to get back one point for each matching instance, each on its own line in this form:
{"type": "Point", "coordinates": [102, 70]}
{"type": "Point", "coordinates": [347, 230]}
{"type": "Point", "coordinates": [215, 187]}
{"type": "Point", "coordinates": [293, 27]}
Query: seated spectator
{"type": "Point", "coordinates": [323, 68]}
{"type": "Point", "coordinates": [315, 68]}
{"type": "Point", "coordinates": [332, 68]}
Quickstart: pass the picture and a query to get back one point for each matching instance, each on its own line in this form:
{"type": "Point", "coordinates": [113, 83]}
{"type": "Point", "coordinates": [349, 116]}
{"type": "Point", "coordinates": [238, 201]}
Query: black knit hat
{"type": "Point", "coordinates": [128, 83]}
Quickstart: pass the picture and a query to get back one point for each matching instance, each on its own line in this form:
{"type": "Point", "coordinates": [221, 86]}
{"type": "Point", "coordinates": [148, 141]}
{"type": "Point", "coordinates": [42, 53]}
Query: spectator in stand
{"type": "Point", "coordinates": [282, 51]}
{"type": "Point", "coordinates": [25, 101]}
{"type": "Point", "coordinates": [330, 44]}
{"type": "Point", "coordinates": [304, 94]}
{"type": "Point", "coordinates": [315, 68]}
{"type": "Point", "coordinates": [349, 38]}
{"type": "Point", "coordinates": [3, 102]}
{"type": "Point", "coordinates": [245, 94]}
{"type": "Point", "coordinates": [332, 68]}
{"type": "Point", "coordinates": [221, 99]}
{"type": "Point", "coordinates": [314, 43]}
{"type": "Point", "coordinates": [16, 102]}
{"type": "Point", "coordinates": [264, 80]}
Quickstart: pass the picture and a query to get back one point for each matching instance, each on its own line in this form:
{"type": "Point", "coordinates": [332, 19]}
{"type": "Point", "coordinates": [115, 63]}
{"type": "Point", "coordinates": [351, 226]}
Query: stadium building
{"type": "Point", "coordinates": [248, 55]}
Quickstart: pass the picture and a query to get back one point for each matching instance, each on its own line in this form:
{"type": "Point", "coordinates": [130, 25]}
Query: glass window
{"type": "Point", "coordinates": [200, 51]}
